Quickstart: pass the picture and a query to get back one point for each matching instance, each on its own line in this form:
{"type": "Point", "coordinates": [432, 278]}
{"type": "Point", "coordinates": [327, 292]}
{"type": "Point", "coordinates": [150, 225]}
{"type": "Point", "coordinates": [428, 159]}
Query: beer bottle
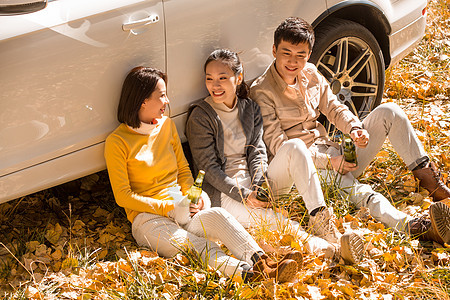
{"type": "Point", "coordinates": [196, 189]}
{"type": "Point", "coordinates": [349, 149]}
{"type": "Point", "coordinates": [263, 192]}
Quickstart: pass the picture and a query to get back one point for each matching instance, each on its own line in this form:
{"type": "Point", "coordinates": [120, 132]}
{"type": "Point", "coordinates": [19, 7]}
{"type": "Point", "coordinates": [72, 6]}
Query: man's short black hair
{"type": "Point", "coordinates": [295, 31]}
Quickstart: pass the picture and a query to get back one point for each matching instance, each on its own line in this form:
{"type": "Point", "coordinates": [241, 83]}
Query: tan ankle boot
{"type": "Point", "coordinates": [283, 272]}
{"type": "Point", "coordinates": [433, 226]}
{"type": "Point", "coordinates": [430, 179]}
{"type": "Point", "coordinates": [323, 225]}
{"type": "Point", "coordinates": [296, 256]}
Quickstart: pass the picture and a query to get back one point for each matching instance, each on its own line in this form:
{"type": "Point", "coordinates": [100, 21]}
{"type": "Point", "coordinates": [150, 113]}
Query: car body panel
{"type": "Point", "coordinates": [63, 69]}
{"type": "Point", "coordinates": [47, 112]}
{"type": "Point", "coordinates": [220, 26]}
{"type": "Point", "coordinates": [53, 172]}
{"type": "Point", "coordinates": [408, 30]}
{"type": "Point", "coordinates": [405, 18]}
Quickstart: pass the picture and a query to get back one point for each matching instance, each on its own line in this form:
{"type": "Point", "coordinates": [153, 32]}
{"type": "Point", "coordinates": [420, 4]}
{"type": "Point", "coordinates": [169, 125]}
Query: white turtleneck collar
{"type": "Point", "coordinates": [145, 128]}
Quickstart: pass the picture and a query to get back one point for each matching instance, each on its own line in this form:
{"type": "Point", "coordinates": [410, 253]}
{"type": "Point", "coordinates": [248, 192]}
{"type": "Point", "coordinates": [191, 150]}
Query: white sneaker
{"type": "Point", "coordinates": [350, 248]}
{"type": "Point", "coordinates": [323, 225]}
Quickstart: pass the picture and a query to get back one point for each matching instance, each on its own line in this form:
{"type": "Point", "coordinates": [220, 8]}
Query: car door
{"type": "Point", "coordinates": [195, 28]}
{"type": "Point", "coordinates": [62, 69]}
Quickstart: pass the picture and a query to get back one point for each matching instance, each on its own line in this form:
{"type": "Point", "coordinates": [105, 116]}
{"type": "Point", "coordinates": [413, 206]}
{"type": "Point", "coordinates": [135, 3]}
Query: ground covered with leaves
{"type": "Point", "coordinates": [74, 242]}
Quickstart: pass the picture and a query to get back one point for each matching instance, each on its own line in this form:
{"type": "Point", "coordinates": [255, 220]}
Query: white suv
{"type": "Point", "coordinates": [63, 64]}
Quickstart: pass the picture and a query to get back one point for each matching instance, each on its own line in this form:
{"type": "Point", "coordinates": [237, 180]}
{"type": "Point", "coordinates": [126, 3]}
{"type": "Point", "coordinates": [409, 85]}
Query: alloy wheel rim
{"type": "Point", "coordinates": [350, 67]}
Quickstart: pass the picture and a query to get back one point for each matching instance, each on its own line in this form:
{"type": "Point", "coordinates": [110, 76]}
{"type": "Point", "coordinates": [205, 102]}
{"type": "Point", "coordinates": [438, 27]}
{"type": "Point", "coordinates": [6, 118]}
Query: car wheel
{"type": "Point", "coordinates": [349, 57]}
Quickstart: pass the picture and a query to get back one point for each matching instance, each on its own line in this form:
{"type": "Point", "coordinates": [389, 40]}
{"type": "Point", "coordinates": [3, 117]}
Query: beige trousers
{"type": "Point", "coordinates": [386, 121]}
{"type": "Point", "coordinates": [166, 237]}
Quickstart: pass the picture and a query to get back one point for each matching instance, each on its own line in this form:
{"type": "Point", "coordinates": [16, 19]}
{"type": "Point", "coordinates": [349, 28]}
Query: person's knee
{"type": "Point", "coordinates": [297, 146]}
{"type": "Point", "coordinates": [217, 212]}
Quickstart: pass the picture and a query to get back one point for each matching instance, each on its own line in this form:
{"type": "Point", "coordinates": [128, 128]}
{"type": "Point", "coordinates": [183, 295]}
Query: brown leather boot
{"type": "Point", "coordinates": [431, 179]}
{"type": "Point", "coordinates": [284, 271]}
{"type": "Point", "coordinates": [434, 226]}
{"type": "Point", "coordinates": [297, 256]}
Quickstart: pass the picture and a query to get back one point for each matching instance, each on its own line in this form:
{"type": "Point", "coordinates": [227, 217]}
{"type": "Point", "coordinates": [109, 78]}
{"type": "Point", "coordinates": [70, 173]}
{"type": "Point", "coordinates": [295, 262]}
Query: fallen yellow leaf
{"type": "Point", "coordinates": [53, 234]}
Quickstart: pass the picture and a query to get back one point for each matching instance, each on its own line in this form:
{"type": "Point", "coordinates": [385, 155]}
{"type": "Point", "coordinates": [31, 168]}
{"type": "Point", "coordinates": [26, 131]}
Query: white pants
{"type": "Point", "coordinates": [293, 164]}
{"type": "Point", "coordinates": [268, 218]}
{"type": "Point", "coordinates": [362, 195]}
{"type": "Point", "coordinates": [289, 166]}
{"type": "Point", "coordinates": [165, 237]}
{"type": "Point", "coordinates": [387, 120]}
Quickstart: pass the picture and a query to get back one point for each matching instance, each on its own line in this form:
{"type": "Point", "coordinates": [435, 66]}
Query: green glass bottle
{"type": "Point", "coordinates": [349, 149]}
{"type": "Point", "coordinates": [196, 189]}
{"type": "Point", "coordinates": [263, 192]}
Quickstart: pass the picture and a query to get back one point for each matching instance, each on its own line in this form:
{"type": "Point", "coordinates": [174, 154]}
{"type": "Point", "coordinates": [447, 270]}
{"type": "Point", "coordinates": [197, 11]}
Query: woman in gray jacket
{"type": "Point", "coordinates": [225, 137]}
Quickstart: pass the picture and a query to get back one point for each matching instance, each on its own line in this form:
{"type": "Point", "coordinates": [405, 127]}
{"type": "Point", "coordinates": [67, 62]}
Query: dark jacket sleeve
{"type": "Point", "coordinates": [256, 150]}
{"type": "Point", "coordinates": [202, 135]}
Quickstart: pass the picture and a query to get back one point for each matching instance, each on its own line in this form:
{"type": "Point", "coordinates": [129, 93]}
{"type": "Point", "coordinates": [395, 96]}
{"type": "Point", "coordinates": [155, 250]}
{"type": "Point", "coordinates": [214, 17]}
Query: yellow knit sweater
{"type": "Point", "coordinates": [142, 167]}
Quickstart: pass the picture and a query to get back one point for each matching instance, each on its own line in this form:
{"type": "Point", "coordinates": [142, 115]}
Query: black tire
{"type": "Point", "coordinates": [349, 57]}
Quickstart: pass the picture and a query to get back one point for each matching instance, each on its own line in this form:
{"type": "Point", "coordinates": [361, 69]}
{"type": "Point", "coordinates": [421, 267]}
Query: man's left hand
{"type": "Point", "coordinates": [360, 137]}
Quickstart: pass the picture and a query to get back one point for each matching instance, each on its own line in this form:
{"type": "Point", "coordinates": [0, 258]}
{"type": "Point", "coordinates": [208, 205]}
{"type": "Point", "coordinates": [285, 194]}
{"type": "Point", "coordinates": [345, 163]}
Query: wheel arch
{"type": "Point", "coordinates": [365, 13]}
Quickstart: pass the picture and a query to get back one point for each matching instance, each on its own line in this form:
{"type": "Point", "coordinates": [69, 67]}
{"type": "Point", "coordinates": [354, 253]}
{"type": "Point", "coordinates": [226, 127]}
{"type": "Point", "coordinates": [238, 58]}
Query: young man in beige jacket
{"type": "Point", "coordinates": [292, 94]}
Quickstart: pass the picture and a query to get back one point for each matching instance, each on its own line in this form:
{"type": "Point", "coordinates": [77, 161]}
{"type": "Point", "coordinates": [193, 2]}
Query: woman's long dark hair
{"type": "Point", "coordinates": [138, 86]}
{"type": "Point", "coordinates": [231, 59]}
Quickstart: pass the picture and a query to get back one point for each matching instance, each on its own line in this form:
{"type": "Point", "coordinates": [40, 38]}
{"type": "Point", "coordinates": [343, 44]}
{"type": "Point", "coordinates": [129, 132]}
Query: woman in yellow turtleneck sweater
{"type": "Point", "coordinates": [150, 178]}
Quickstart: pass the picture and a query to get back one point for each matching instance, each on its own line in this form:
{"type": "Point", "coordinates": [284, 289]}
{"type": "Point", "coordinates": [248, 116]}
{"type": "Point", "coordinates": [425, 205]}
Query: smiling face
{"type": "Point", "coordinates": [154, 106]}
{"type": "Point", "coordinates": [221, 82]}
{"type": "Point", "coordinates": [290, 59]}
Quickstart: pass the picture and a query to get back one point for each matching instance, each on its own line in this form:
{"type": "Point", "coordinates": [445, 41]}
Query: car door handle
{"type": "Point", "coordinates": [140, 23]}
